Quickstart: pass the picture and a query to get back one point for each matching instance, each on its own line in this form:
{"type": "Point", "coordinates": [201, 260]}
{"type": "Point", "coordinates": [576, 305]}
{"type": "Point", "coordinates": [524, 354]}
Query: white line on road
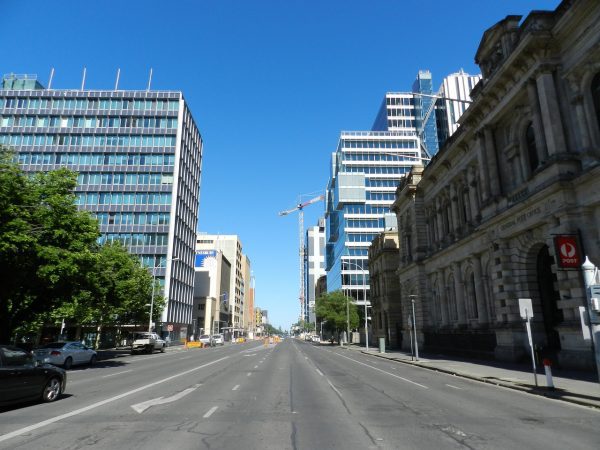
{"type": "Point", "coordinates": [210, 412]}
{"type": "Point", "coordinates": [24, 430]}
{"type": "Point", "coordinates": [141, 407]}
{"type": "Point", "coordinates": [236, 387]}
{"type": "Point", "coordinates": [249, 373]}
{"type": "Point", "coordinates": [256, 367]}
{"type": "Point", "coordinates": [383, 371]}
{"type": "Point", "coordinates": [454, 387]}
{"type": "Point", "coordinates": [335, 389]}
{"type": "Point", "coordinates": [319, 372]}
{"type": "Point", "coordinates": [118, 373]}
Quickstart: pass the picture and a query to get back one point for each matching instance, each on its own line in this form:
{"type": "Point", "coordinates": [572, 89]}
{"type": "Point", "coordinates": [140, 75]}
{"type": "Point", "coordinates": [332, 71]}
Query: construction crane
{"type": "Point", "coordinates": [300, 208]}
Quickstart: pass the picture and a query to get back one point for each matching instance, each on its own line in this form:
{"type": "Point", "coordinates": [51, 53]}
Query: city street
{"type": "Point", "coordinates": [292, 395]}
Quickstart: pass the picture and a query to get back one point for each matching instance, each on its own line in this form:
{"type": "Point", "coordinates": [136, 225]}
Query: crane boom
{"type": "Point", "coordinates": [300, 208]}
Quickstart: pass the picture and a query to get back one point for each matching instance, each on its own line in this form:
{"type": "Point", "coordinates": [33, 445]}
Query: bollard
{"type": "Point", "coordinates": [548, 369]}
{"type": "Point", "coordinates": [381, 345]}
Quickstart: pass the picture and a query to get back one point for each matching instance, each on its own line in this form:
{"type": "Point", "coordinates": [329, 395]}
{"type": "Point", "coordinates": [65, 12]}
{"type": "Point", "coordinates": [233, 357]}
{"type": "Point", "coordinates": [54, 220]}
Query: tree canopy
{"type": "Point", "coordinates": [50, 260]}
{"type": "Point", "coordinates": [331, 307]}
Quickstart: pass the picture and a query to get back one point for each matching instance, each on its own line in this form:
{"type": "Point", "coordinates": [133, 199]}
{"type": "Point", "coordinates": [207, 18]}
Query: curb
{"type": "Point", "coordinates": [540, 393]}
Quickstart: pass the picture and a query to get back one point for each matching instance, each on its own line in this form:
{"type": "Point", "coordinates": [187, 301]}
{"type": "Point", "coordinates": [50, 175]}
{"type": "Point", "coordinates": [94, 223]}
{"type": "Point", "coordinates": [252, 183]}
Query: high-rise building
{"type": "Point", "coordinates": [211, 285]}
{"type": "Point", "coordinates": [315, 266]}
{"type": "Point", "coordinates": [231, 246]}
{"type": "Point", "coordinates": [368, 165]}
{"type": "Point", "coordinates": [138, 155]}
{"type": "Point", "coordinates": [455, 99]}
{"type": "Point", "coordinates": [247, 295]}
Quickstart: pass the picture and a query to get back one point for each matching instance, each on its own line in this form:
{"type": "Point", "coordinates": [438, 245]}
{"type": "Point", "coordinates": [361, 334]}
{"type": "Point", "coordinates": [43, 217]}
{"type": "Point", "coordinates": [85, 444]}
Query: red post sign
{"type": "Point", "coordinates": [567, 252]}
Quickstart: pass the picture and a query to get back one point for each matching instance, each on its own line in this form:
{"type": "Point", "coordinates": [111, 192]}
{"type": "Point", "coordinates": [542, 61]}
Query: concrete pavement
{"type": "Point", "coordinates": [571, 386]}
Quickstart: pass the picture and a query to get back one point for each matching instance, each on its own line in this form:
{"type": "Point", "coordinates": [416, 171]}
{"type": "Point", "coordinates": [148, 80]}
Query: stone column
{"type": "Point", "coordinates": [440, 220]}
{"type": "Point", "coordinates": [540, 139]}
{"type": "Point", "coordinates": [459, 293]}
{"type": "Point", "coordinates": [473, 200]}
{"type": "Point", "coordinates": [550, 111]}
{"type": "Point", "coordinates": [482, 309]}
{"type": "Point", "coordinates": [483, 167]}
{"type": "Point", "coordinates": [454, 207]}
{"type": "Point", "coordinates": [492, 160]}
{"type": "Point", "coordinates": [443, 300]}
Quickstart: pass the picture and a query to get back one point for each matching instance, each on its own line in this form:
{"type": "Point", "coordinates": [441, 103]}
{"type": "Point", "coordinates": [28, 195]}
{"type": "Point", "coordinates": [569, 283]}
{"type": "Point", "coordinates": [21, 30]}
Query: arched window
{"type": "Point", "coordinates": [596, 96]}
{"type": "Point", "coordinates": [534, 160]}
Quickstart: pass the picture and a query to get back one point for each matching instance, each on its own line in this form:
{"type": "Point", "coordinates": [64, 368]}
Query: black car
{"type": "Point", "coordinates": [23, 378]}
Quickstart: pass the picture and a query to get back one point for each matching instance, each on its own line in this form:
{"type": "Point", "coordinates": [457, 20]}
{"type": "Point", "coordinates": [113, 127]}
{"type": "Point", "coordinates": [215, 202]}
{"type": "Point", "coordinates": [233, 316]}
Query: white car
{"type": "Point", "coordinates": [65, 354]}
{"type": "Point", "coordinates": [206, 339]}
{"type": "Point", "coordinates": [218, 339]}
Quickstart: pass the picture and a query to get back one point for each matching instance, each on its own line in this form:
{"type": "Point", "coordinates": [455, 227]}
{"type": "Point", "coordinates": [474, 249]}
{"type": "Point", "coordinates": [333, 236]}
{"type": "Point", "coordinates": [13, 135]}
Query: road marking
{"type": "Point", "coordinates": [186, 357]}
{"type": "Point", "coordinates": [210, 412]}
{"type": "Point", "coordinates": [319, 372]}
{"type": "Point", "coordinates": [248, 374]}
{"type": "Point", "coordinates": [118, 373]}
{"type": "Point", "coordinates": [236, 387]}
{"type": "Point", "coordinates": [141, 407]}
{"type": "Point", "coordinates": [454, 387]}
{"type": "Point", "coordinates": [383, 371]}
{"type": "Point", "coordinates": [334, 388]}
{"type": "Point", "coordinates": [29, 428]}
{"type": "Point", "coordinates": [256, 367]}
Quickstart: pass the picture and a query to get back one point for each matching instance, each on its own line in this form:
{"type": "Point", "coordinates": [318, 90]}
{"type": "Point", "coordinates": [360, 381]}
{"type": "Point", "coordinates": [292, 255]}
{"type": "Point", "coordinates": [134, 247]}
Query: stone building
{"type": "Point", "coordinates": [386, 316]}
{"type": "Point", "coordinates": [478, 225]}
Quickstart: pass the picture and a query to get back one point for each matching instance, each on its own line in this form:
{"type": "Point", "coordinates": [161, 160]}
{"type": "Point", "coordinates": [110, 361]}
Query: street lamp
{"type": "Point", "coordinates": [352, 263]}
{"type": "Point", "coordinates": [153, 288]}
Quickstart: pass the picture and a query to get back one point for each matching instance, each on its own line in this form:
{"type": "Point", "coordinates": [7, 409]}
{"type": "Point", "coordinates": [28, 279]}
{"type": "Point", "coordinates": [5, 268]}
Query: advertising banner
{"type": "Point", "coordinates": [567, 251]}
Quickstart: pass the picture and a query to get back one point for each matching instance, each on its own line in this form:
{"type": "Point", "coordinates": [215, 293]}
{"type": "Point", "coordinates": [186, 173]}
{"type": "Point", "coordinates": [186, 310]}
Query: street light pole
{"type": "Point", "coordinates": [153, 289]}
{"type": "Point", "coordinates": [412, 300]}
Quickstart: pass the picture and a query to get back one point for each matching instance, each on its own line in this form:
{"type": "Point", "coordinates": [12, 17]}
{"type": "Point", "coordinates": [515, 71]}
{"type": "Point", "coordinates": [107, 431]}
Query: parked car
{"type": "Point", "coordinates": [66, 354]}
{"type": "Point", "coordinates": [23, 378]}
{"type": "Point", "coordinates": [218, 339]}
{"type": "Point", "coordinates": [206, 339]}
{"type": "Point", "coordinates": [148, 342]}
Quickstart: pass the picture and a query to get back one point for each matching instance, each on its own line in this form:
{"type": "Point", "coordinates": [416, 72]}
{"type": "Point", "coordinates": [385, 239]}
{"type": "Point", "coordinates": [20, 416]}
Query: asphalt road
{"type": "Point", "coordinates": [290, 396]}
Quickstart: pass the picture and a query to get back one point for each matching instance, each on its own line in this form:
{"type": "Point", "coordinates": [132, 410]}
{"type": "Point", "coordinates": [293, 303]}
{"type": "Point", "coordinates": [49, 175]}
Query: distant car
{"type": "Point", "coordinates": [143, 341]}
{"type": "Point", "coordinates": [24, 378]}
{"type": "Point", "coordinates": [218, 339]}
{"type": "Point", "coordinates": [66, 354]}
{"type": "Point", "coordinates": [315, 338]}
{"type": "Point", "coordinates": [206, 339]}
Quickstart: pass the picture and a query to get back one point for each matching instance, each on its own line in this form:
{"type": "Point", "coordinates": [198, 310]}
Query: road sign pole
{"type": "Point", "coordinates": [528, 326]}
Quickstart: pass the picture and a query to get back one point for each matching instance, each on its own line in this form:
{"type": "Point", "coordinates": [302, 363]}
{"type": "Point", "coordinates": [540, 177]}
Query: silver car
{"type": "Point", "coordinates": [66, 354]}
{"type": "Point", "coordinates": [218, 339]}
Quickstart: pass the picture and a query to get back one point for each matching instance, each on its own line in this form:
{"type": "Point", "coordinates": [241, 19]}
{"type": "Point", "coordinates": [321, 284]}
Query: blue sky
{"type": "Point", "coordinates": [270, 83]}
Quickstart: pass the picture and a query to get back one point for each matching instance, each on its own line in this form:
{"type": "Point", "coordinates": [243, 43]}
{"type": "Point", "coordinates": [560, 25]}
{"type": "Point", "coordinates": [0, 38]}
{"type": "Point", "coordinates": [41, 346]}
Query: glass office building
{"type": "Point", "coordinates": [138, 155]}
{"type": "Point", "coordinates": [365, 171]}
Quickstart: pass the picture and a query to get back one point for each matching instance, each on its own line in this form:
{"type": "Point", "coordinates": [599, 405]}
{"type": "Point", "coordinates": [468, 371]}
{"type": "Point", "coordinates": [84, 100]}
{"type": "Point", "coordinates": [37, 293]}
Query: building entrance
{"type": "Point", "coordinates": [549, 296]}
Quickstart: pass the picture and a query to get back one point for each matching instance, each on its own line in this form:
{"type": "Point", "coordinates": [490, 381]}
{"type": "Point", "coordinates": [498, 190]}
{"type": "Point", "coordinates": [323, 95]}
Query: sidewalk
{"type": "Point", "coordinates": [571, 386]}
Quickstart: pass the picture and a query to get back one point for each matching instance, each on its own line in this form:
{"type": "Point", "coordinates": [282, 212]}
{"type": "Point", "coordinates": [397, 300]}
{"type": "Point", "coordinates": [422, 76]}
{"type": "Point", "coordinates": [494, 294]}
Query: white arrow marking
{"type": "Point", "coordinates": [141, 407]}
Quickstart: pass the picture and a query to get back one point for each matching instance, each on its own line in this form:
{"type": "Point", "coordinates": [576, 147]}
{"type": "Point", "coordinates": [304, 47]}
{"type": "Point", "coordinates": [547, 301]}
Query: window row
{"type": "Point", "coordinates": [153, 261]}
{"type": "Point", "coordinates": [88, 122]}
{"type": "Point", "coordinates": [120, 198]}
{"type": "Point", "coordinates": [402, 112]}
{"type": "Point", "coordinates": [87, 140]}
{"type": "Point", "coordinates": [404, 143]}
{"type": "Point", "coordinates": [400, 101]}
{"type": "Point", "coordinates": [112, 218]}
{"type": "Point", "coordinates": [401, 123]}
{"type": "Point", "coordinates": [97, 159]}
{"type": "Point", "coordinates": [360, 237]}
{"type": "Point", "coordinates": [128, 239]}
{"type": "Point", "coordinates": [366, 209]}
{"type": "Point", "coordinates": [93, 103]}
{"type": "Point", "coordinates": [143, 179]}
{"type": "Point", "coordinates": [380, 195]}
{"type": "Point", "coordinates": [371, 182]}
{"type": "Point", "coordinates": [377, 170]}
{"type": "Point", "coordinates": [365, 223]}
{"type": "Point", "coordinates": [379, 157]}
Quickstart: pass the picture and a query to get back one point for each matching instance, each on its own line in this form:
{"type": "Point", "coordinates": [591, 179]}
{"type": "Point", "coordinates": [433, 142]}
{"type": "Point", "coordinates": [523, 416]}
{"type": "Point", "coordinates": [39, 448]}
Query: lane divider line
{"type": "Point", "coordinates": [236, 387]}
{"type": "Point", "coordinates": [210, 412]}
{"type": "Point", "coordinates": [454, 387]}
{"type": "Point", "coordinates": [76, 412]}
{"type": "Point", "coordinates": [118, 373]}
{"type": "Point", "coordinates": [383, 371]}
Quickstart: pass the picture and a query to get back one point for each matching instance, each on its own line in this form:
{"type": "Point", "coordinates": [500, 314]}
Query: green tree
{"type": "Point", "coordinates": [46, 244]}
{"type": "Point", "coordinates": [331, 307]}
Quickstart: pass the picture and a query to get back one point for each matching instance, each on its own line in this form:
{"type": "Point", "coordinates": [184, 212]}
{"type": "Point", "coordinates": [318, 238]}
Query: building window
{"type": "Point", "coordinates": [534, 160]}
{"type": "Point", "coordinates": [596, 96]}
